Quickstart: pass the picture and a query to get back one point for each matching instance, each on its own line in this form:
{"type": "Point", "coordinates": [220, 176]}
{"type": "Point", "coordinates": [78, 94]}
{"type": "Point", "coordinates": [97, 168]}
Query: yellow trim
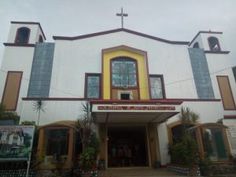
{"type": "Point", "coordinates": [142, 71]}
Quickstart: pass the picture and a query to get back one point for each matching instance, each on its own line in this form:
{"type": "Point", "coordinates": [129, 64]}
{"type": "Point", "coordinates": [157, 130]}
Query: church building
{"type": "Point", "coordinates": [136, 85]}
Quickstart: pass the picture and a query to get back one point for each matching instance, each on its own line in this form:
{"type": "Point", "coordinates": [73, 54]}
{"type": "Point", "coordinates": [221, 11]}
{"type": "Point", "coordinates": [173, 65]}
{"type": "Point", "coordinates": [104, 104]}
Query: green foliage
{"type": "Point", "coordinates": [89, 140]}
{"type": "Point", "coordinates": [185, 152]}
{"type": "Point", "coordinates": [8, 115]}
{"type": "Point", "coordinates": [39, 106]}
{"type": "Point", "coordinates": [205, 166]}
{"type": "Point", "coordinates": [85, 124]}
{"type": "Point", "coordinates": [187, 116]}
{"type": "Point", "coordinates": [88, 159]}
{"type": "Point", "coordinates": [94, 142]}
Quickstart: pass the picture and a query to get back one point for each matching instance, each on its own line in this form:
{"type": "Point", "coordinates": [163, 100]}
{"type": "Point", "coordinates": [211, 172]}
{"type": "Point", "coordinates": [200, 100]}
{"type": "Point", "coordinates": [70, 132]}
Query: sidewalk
{"type": "Point", "coordinates": [137, 172]}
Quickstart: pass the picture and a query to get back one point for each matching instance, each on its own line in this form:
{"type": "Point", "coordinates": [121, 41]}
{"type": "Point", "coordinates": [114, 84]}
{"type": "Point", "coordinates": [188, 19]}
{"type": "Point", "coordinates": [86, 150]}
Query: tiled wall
{"type": "Point", "coordinates": [41, 71]}
{"type": "Point", "coordinates": [201, 73]}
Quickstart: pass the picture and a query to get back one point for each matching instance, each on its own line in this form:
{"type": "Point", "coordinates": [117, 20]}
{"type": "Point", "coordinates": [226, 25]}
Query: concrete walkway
{"type": "Point", "coordinates": [137, 172]}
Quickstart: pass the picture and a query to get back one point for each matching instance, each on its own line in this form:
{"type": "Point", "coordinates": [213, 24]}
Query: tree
{"type": "Point", "coordinates": [90, 143]}
{"type": "Point", "coordinates": [187, 116]}
{"type": "Point", "coordinates": [39, 107]}
{"type": "Point", "coordinates": [84, 124]}
{"type": "Point", "coordinates": [185, 151]}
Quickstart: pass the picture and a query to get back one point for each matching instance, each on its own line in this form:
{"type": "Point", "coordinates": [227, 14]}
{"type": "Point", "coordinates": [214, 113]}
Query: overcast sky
{"type": "Point", "coordinates": [168, 19]}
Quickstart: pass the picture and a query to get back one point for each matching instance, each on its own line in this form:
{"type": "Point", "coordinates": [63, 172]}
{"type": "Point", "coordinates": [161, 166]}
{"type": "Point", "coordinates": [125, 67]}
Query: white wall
{"type": "Point", "coordinates": [163, 143]}
{"type": "Point", "coordinates": [53, 111]}
{"type": "Point", "coordinates": [199, 40]}
{"type": "Point", "coordinates": [17, 59]}
{"type": "Point", "coordinates": [220, 65]}
{"type": "Point", "coordinates": [72, 59]}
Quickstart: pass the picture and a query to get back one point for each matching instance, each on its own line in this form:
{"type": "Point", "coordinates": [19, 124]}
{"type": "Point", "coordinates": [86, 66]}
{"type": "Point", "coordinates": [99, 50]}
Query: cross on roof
{"type": "Point", "coordinates": [122, 15]}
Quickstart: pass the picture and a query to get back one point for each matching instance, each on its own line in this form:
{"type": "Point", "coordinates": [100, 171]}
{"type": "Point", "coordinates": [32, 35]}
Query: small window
{"type": "Point", "coordinates": [92, 86]}
{"type": "Point", "coordinates": [214, 44]}
{"type": "Point", "coordinates": [40, 39]}
{"type": "Point", "coordinates": [125, 96]}
{"type": "Point", "coordinates": [196, 45]}
{"type": "Point", "coordinates": [22, 35]}
{"type": "Point", "coordinates": [157, 87]}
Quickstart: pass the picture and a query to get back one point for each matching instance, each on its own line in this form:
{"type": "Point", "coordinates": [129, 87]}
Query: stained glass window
{"type": "Point", "coordinates": [156, 87]}
{"type": "Point", "coordinates": [124, 72]}
{"type": "Point", "coordinates": [93, 86]}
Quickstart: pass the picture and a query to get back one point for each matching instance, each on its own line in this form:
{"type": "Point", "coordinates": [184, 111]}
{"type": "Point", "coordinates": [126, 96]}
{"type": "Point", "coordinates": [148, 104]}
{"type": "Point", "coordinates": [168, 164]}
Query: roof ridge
{"type": "Point", "coordinates": [119, 30]}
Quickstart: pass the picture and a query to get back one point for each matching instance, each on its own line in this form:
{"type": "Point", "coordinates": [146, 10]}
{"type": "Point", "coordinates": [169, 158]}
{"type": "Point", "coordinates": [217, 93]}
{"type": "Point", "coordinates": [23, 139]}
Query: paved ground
{"type": "Point", "coordinates": [137, 172]}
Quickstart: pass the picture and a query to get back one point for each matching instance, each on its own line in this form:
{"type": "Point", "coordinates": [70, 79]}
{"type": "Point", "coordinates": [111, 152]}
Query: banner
{"type": "Point", "coordinates": [16, 142]}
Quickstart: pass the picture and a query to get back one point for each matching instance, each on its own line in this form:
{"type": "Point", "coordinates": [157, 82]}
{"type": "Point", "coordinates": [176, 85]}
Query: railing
{"type": "Point", "coordinates": [17, 173]}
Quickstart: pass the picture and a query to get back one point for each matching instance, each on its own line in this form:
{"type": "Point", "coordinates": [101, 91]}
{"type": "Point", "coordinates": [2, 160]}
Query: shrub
{"type": "Point", "coordinates": [185, 152]}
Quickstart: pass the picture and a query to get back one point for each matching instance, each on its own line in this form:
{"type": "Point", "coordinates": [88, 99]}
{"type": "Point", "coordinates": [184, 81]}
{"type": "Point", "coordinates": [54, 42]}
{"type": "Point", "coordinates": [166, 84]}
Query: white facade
{"type": "Point", "coordinates": [73, 57]}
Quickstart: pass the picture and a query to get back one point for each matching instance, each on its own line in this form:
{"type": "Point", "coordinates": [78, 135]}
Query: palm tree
{"type": "Point", "coordinates": [90, 142]}
{"type": "Point", "coordinates": [39, 107]}
{"type": "Point", "coordinates": [85, 124]}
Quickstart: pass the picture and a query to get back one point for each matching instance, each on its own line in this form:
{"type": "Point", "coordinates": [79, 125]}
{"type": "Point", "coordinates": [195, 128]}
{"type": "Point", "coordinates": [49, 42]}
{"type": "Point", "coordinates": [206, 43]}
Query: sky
{"type": "Point", "coordinates": [168, 19]}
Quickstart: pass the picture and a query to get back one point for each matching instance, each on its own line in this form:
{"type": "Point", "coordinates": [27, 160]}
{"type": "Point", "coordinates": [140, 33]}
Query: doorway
{"type": "Point", "coordinates": [127, 146]}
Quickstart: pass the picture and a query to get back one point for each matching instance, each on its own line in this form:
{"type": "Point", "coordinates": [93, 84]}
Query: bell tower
{"type": "Point", "coordinates": [17, 62]}
{"type": "Point", "coordinates": [25, 33]}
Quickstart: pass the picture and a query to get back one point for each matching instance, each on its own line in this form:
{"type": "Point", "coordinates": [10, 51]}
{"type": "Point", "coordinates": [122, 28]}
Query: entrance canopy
{"type": "Point", "coordinates": [123, 111]}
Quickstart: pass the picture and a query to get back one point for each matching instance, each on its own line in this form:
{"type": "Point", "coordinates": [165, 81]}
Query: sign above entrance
{"type": "Point", "coordinates": [135, 108]}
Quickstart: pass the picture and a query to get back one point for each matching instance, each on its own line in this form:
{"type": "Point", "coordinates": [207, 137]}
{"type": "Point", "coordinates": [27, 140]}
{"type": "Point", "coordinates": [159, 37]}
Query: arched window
{"type": "Point", "coordinates": [213, 138]}
{"type": "Point", "coordinates": [22, 35]}
{"type": "Point", "coordinates": [214, 44]}
{"type": "Point", "coordinates": [196, 45]}
{"type": "Point", "coordinates": [124, 72]}
{"type": "Point", "coordinates": [40, 39]}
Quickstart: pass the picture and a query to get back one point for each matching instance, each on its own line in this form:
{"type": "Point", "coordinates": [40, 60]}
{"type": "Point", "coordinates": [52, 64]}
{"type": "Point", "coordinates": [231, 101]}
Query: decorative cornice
{"type": "Point", "coordinates": [18, 45]}
{"type": "Point", "coordinates": [217, 52]}
{"type": "Point", "coordinates": [53, 99]}
{"type": "Point", "coordinates": [30, 23]}
{"type": "Point", "coordinates": [229, 116]}
{"type": "Point", "coordinates": [153, 101]}
{"type": "Point", "coordinates": [119, 30]}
